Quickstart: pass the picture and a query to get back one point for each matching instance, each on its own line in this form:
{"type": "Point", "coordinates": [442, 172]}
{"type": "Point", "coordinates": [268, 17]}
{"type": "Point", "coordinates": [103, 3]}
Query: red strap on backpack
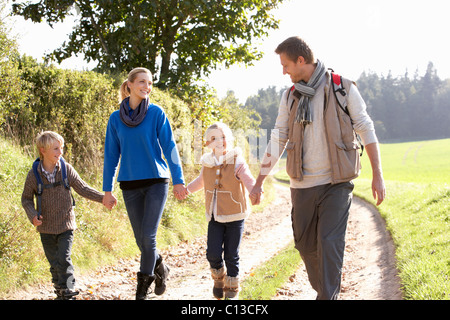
{"type": "Point", "coordinates": [336, 79]}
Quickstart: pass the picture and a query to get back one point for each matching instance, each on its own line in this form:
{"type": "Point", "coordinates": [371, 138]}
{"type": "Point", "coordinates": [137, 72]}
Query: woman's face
{"type": "Point", "coordinates": [141, 86]}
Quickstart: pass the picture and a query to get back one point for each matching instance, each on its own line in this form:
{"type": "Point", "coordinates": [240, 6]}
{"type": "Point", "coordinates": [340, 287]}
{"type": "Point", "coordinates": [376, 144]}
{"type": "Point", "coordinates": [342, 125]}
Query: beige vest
{"type": "Point", "coordinates": [221, 182]}
{"type": "Point", "coordinates": [342, 142]}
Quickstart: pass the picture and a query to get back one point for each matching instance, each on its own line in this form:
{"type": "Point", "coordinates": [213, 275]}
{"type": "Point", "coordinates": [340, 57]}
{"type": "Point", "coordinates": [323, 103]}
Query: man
{"type": "Point", "coordinates": [322, 160]}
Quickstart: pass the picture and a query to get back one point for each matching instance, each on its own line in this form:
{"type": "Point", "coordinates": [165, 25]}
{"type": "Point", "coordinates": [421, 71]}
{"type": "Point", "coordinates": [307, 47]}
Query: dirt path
{"type": "Point", "coordinates": [369, 264]}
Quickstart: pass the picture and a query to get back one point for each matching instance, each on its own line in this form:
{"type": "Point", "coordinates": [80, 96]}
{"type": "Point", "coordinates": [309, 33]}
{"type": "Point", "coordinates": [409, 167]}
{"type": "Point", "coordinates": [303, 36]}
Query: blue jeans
{"type": "Point", "coordinates": [224, 238]}
{"type": "Point", "coordinates": [57, 249]}
{"type": "Point", "coordinates": [145, 207]}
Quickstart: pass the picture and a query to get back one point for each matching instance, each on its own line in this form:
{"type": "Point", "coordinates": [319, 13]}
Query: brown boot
{"type": "Point", "coordinates": [231, 288]}
{"type": "Point", "coordinates": [218, 276]}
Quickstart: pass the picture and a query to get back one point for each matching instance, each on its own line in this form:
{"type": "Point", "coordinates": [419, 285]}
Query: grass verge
{"type": "Point", "coordinates": [264, 281]}
{"type": "Point", "coordinates": [417, 213]}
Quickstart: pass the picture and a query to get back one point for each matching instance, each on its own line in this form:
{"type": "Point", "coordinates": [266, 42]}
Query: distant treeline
{"type": "Point", "coordinates": [403, 108]}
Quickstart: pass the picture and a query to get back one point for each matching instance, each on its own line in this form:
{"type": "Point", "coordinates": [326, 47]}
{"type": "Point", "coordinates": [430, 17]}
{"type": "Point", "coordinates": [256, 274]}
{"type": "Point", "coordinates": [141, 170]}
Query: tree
{"type": "Point", "coordinates": [266, 104]}
{"type": "Point", "coordinates": [11, 94]}
{"type": "Point", "coordinates": [180, 41]}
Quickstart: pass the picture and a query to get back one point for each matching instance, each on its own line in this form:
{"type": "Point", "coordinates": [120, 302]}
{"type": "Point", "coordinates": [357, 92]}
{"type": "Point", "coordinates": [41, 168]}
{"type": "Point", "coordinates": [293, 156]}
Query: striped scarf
{"type": "Point", "coordinates": [307, 91]}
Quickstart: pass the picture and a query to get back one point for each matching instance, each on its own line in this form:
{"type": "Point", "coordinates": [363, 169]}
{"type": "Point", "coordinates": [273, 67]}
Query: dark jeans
{"type": "Point", "coordinates": [224, 238]}
{"type": "Point", "coordinates": [57, 249]}
{"type": "Point", "coordinates": [145, 207]}
{"type": "Point", "coordinates": [319, 221]}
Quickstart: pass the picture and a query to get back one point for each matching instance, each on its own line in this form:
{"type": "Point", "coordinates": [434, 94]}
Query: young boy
{"type": "Point", "coordinates": [56, 221]}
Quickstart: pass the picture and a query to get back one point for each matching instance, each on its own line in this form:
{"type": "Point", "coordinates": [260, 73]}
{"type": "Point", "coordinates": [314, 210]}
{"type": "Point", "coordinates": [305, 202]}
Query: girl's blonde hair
{"type": "Point", "coordinates": [45, 140]}
{"type": "Point", "coordinates": [124, 91]}
{"type": "Point", "coordinates": [212, 131]}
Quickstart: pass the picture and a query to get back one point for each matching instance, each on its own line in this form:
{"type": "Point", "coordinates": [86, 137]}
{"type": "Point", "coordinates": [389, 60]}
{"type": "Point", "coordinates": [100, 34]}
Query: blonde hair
{"type": "Point", "coordinates": [124, 91]}
{"type": "Point", "coordinates": [45, 140]}
{"type": "Point", "coordinates": [212, 129]}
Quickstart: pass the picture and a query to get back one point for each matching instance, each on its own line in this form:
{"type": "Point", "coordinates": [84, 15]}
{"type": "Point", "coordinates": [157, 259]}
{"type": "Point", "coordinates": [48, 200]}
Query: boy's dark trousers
{"type": "Point", "coordinates": [57, 248]}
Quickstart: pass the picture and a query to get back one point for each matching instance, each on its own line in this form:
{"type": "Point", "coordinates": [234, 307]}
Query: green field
{"type": "Point", "coordinates": [417, 213]}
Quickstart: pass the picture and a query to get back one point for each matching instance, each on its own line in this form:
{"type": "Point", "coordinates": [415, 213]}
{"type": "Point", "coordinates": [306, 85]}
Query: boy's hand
{"type": "Point", "coordinates": [36, 221]}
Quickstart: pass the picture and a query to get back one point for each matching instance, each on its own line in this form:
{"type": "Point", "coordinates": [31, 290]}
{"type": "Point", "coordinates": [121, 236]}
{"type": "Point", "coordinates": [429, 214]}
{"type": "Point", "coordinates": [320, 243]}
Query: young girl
{"type": "Point", "coordinates": [223, 176]}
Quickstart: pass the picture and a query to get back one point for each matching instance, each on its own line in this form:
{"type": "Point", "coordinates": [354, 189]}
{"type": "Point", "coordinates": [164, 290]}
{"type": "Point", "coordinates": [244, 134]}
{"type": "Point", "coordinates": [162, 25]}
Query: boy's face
{"type": "Point", "coordinates": [54, 153]}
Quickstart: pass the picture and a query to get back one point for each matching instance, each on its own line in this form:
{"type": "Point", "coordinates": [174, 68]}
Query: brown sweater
{"type": "Point", "coordinates": [57, 211]}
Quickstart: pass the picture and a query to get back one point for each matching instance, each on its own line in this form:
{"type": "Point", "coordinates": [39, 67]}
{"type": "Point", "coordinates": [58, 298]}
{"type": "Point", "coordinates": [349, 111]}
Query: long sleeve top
{"type": "Point", "coordinates": [57, 212]}
{"type": "Point", "coordinates": [140, 150]}
{"type": "Point", "coordinates": [316, 166]}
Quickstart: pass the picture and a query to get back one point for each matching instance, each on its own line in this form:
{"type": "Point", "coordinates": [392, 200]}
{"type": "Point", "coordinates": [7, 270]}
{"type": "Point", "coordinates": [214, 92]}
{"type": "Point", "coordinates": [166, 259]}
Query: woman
{"type": "Point", "coordinates": [138, 134]}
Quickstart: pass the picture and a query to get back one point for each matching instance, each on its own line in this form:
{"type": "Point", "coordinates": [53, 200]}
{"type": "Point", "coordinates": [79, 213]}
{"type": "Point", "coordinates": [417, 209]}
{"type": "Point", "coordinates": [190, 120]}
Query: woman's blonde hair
{"type": "Point", "coordinates": [124, 91]}
{"type": "Point", "coordinates": [45, 140]}
{"type": "Point", "coordinates": [212, 131]}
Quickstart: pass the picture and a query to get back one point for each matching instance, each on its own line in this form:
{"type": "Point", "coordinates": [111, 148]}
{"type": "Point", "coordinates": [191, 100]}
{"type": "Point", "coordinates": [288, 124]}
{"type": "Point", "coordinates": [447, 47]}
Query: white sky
{"type": "Point", "coordinates": [350, 36]}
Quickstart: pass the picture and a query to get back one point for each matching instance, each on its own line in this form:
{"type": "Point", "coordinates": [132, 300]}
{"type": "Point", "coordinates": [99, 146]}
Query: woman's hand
{"type": "Point", "coordinates": [109, 200]}
{"type": "Point", "coordinates": [180, 191]}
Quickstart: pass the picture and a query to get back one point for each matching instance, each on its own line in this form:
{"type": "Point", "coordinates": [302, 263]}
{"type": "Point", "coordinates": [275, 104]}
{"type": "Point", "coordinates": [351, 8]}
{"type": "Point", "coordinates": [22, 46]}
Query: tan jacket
{"type": "Point", "coordinates": [224, 192]}
{"type": "Point", "coordinates": [343, 147]}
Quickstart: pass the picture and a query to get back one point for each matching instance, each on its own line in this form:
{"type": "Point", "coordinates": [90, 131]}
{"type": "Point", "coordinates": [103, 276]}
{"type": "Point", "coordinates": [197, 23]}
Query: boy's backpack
{"type": "Point", "coordinates": [41, 186]}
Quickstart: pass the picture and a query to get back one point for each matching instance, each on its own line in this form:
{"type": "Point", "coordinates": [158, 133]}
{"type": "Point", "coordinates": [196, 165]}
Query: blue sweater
{"type": "Point", "coordinates": [140, 149]}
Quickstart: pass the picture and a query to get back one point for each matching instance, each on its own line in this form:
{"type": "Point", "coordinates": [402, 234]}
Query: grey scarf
{"type": "Point", "coordinates": [307, 91]}
{"type": "Point", "coordinates": [138, 114]}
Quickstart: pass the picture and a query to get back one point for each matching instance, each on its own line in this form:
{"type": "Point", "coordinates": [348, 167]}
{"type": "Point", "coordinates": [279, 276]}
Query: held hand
{"type": "Point", "coordinates": [37, 222]}
{"type": "Point", "coordinates": [180, 191]}
{"type": "Point", "coordinates": [256, 194]}
{"type": "Point", "coordinates": [109, 200]}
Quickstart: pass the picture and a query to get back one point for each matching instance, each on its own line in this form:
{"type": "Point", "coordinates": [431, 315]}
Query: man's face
{"type": "Point", "coordinates": [295, 69]}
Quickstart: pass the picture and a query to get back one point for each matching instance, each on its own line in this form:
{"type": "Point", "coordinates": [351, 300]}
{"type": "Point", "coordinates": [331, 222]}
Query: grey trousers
{"type": "Point", "coordinates": [319, 222]}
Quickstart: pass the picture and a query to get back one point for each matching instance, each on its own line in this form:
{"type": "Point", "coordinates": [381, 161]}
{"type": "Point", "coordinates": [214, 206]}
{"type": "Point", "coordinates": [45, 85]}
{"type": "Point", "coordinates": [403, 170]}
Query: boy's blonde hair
{"type": "Point", "coordinates": [45, 140]}
{"type": "Point", "coordinates": [212, 131]}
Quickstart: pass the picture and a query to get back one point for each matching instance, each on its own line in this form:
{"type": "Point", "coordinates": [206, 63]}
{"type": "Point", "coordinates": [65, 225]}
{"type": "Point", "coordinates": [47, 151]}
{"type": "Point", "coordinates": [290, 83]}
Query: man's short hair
{"type": "Point", "coordinates": [295, 47]}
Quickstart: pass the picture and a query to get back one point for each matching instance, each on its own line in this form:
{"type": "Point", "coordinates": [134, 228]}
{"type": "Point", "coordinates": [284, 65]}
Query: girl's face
{"type": "Point", "coordinates": [217, 142]}
{"type": "Point", "coordinates": [141, 86]}
{"type": "Point", "coordinates": [54, 153]}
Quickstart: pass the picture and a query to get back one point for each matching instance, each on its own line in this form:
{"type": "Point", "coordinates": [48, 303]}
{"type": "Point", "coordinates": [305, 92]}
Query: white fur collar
{"type": "Point", "coordinates": [209, 160]}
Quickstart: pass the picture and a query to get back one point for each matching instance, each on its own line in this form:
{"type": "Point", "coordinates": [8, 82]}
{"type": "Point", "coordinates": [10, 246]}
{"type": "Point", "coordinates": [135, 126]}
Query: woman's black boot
{"type": "Point", "coordinates": [161, 274]}
{"type": "Point", "coordinates": [143, 283]}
